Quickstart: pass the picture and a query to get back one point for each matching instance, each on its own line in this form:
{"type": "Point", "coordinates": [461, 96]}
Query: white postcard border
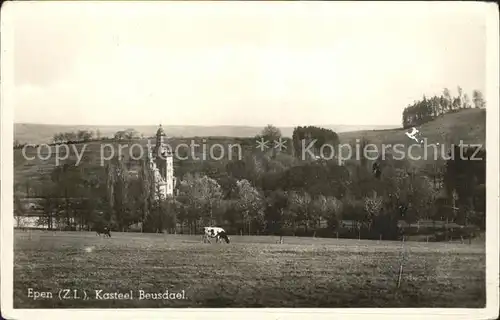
{"type": "Point", "coordinates": [492, 234]}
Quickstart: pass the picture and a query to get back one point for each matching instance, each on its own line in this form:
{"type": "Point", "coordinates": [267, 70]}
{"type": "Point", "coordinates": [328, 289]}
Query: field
{"type": "Point", "coordinates": [251, 271]}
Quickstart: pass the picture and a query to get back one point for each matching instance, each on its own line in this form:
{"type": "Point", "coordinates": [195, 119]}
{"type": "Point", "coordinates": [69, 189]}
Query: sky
{"type": "Point", "coordinates": [234, 63]}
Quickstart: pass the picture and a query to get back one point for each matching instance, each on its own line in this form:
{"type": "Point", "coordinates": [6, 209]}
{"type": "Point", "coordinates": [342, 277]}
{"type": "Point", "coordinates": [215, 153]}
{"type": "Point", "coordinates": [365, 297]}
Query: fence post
{"type": "Point", "coordinates": [400, 274]}
{"type": "Point", "coordinates": [401, 263]}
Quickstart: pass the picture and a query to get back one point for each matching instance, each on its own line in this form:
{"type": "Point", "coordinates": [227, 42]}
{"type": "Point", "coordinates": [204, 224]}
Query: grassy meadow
{"type": "Point", "coordinates": [251, 271]}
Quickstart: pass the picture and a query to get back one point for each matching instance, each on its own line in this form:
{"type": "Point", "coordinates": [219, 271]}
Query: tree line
{"type": "Point", "coordinates": [303, 136]}
{"type": "Point", "coordinates": [82, 136]}
{"type": "Point", "coordinates": [75, 136]}
{"type": "Point", "coordinates": [427, 109]}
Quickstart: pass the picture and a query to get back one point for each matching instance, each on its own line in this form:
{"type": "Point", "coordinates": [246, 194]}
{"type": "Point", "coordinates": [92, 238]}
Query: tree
{"type": "Point", "coordinates": [448, 99]}
{"type": "Point", "coordinates": [249, 204]}
{"type": "Point", "coordinates": [120, 135]}
{"type": "Point", "coordinates": [131, 134]}
{"type": "Point", "coordinates": [479, 203]}
{"type": "Point", "coordinates": [328, 208]}
{"type": "Point", "coordinates": [478, 99]}
{"type": "Point", "coordinates": [18, 211]}
{"type": "Point", "coordinates": [84, 135]}
{"type": "Point", "coordinates": [58, 138]}
{"type": "Point", "coordinates": [228, 186]}
{"type": "Point", "coordinates": [69, 136]}
{"type": "Point", "coordinates": [466, 101]}
{"type": "Point", "coordinates": [300, 204]}
{"type": "Point", "coordinates": [147, 191]}
{"type": "Point", "coordinates": [328, 179]}
{"type": "Point", "coordinates": [373, 207]}
{"type": "Point", "coordinates": [118, 195]}
{"type": "Point", "coordinates": [460, 98]}
{"type": "Point", "coordinates": [200, 196]}
{"type": "Point", "coordinates": [277, 215]}
{"type": "Point", "coordinates": [319, 137]}
{"type": "Point", "coordinates": [270, 133]}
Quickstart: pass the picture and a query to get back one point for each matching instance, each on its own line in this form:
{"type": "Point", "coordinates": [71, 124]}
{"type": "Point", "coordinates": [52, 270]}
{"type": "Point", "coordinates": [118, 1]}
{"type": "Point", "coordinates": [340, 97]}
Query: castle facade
{"type": "Point", "coordinates": [161, 162]}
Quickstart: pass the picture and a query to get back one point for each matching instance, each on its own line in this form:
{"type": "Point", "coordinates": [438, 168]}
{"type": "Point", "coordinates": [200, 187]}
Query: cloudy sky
{"type": "Point", "coordinates": [240, 63]}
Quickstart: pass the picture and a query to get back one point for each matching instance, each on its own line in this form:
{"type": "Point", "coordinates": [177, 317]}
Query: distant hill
{"type": "Point", "coordinates": [44, 133]}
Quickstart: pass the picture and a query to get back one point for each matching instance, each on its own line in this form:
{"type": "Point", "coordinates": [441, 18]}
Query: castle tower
{"type": "Point", "coordinates": [163, 165]}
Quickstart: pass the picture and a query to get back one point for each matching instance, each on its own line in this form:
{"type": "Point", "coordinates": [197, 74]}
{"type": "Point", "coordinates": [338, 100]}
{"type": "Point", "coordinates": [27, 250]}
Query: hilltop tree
{"type": "Point", "coordinates": [58, 138]}
{"type": "Point", "coordinates": [333, 213]}
{"type": "Point", "coordinates": [67, 183]}
{"type": "Point", "coordinates": [478, 99]}
{"type": "Point", "coordinates": [319, 137]}
{"type": "Point", "coordinates": [131, 134]}
{"type": "Point", "coordinates": [460, 98]}
{"type": "Point", "coordinates": [120, 135]}
{"type": "Point", "coordinates": [466, 101]}
{"type": "Point", "coordinates": [448, 99]}
{"type": "Point", "coordinates": [270, 133]}
{"type": "Point", "coordinates": [84, 135]}
{"type": "Point", "coordinates": [18, 210]}
{"type": "Point", "coordinates": [159, 211]}
{"type": "Point", "coordinates": [237, 169]}
{"type": "Point", "coordinates": [328, 208]}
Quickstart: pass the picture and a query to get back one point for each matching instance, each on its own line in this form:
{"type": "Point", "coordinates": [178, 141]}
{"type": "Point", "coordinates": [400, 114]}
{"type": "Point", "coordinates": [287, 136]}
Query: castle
{"type": "Point", "coordinates": [160, 159]}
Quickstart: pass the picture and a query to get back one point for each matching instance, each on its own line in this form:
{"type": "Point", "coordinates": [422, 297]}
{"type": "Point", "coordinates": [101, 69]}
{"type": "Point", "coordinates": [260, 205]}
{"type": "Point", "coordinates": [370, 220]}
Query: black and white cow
{"type": "Point", "coordinates": [102, 230]}
{"type": "Point", "coordinates": [214, 232]}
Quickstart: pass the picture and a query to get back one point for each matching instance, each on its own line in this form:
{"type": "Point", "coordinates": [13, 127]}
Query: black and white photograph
{"type": "Point", "coordinates": [292, 158]}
